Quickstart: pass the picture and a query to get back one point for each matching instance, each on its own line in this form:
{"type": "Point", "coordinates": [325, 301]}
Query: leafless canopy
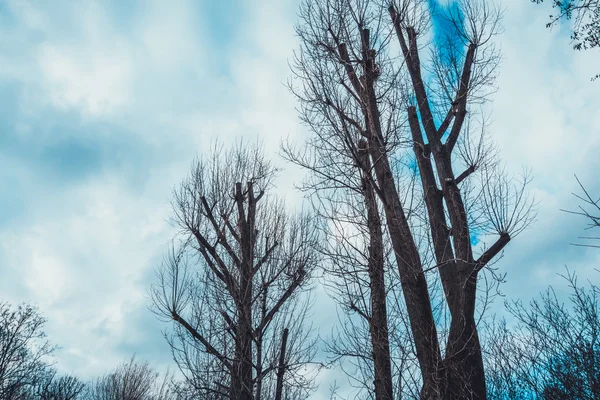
{"type": "Point", "coordinates": [23, 350]}
{"type": "Point", "coordinates": [394, 93]}
{"type": "Point", "coordinates": [235, 280]}
{"type": "Point", "coordinates": [132, 380]}
{"type": "Point", "coordinates": [552, 352]}
{"type": "Point", "coordinates": [51, 386]}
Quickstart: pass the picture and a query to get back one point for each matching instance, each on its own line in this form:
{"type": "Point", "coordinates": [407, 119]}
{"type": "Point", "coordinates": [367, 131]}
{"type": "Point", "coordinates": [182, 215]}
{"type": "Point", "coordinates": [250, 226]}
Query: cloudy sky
{"type": "Point", "coordinates": [103, 106]}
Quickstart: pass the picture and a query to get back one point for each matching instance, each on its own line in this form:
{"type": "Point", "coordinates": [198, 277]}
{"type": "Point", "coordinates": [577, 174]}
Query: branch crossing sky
{"type": "Point", "coordinates": [104, 104]}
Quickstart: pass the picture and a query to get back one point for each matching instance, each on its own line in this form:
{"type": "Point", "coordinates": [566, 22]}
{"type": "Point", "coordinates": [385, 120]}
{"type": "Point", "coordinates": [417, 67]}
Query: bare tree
{"type": "Point", "coordinates": [553, 351]}
{"type": "Point", "coordinates": [237, 281]}
{"type": "Point", "coordinates": [132, 380]}
{"type": "Point", "coordinates": [360, 78]}
{"type": "Point", "coordinates": [358, 274]}
{"type": "Point", "coordinates": [51, 386]}
{"type": "Point", "coordinates": [24, 350]}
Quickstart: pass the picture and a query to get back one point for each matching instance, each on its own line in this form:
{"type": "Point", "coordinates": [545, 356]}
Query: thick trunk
{"type": "Point", "coordinates": [464, 370]}
{"type": "Point", "coordinates": [259, 348]}
{"type": "Point", "coordinates": [462, 375]}
{"type": "Point", "coordinates": [241, 382]}
{"type": "Point", "coordinates": [259, 371]}
{"type": "Point", "coordinates": [412, 278]}
{"type": "Point", "coordinates": [378, 324]}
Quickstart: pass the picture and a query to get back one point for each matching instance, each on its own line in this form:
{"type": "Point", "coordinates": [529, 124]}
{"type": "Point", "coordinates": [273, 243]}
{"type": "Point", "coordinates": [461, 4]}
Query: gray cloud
{"type": "Point", "coordinates": [102, 108]}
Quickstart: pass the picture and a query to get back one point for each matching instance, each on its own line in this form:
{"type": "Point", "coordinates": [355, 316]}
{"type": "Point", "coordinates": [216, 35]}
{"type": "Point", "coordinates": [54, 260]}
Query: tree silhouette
{"type": "Point", "coordinates": [234, 284]}
{"type": "Point", "coordinates": [367, 86]}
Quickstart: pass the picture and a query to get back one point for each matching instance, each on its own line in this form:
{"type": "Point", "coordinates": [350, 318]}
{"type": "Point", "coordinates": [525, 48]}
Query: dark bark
{"type": "Point", "coordinates": [241, 382]}
{"type": "Point", "coordinates": [463, 364]}
{"type": "Point", "coordinates": [412, 278]}
{"type": "Point", "coordinates": [346, 78]}
{"type": "Point", "coordinates": [281, 366]}
{"type": "Point", "coordinates": [378, 322]}
{"type": "Point", "coordinates": [252, 260]}
{"type": "Point", "coordinates": [435, 210]}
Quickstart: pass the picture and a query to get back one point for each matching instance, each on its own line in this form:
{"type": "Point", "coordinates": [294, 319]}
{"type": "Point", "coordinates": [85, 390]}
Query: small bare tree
{"type": "Point", "coordinates": [24, 351]}
{"type": "Point", "coordinates": [235, 284]}
{"type": "Point", "coordinates": [131, 380]}
{"type": "Point", "coordinates": [365, 87]}
{"type": "Point", "coordinates": [553, 352]}
{"type": "Point", "coordinates": [51, 386]}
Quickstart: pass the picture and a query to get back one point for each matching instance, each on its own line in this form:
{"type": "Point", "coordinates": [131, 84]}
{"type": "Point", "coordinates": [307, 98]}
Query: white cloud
{"type": "Point", "coordinates": [85, 267]}
{"type": "Point", "coordinates": [98, 83]}
{"type": "Point", "coordinates": [83, 252]}
{"type": "Point", "coordinates": [171, 35]}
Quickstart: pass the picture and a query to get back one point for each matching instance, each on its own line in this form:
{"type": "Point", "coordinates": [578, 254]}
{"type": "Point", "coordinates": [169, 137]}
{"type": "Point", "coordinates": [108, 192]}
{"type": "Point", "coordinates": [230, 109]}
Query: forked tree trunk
{"type": "Point", "coordinates": [462, 373]}
{"type": "Point", "coordinates": [336, 38]}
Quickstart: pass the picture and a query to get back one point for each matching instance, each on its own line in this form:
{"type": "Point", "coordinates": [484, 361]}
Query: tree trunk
{"type": "Point", "coordinates": [281, 367]}
{"type": "Point", "coordinates": [462, 375]}
{"type": "Point", "coordinates": [241, 388]}
{"type": "Point", "coordinates": [412, 278]}
{"type": "Point", "coordinates": [378, 325]}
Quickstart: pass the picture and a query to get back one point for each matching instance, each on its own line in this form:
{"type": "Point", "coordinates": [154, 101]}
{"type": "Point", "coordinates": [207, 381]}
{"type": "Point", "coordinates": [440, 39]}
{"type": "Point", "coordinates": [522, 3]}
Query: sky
{"type": "Point", "coordinates": [104, 105]}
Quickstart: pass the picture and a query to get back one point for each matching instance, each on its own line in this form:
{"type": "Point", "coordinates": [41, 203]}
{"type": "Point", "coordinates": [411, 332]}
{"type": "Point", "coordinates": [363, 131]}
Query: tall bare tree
{"type": "Point", "coordinates": [365, 87]}
{"type": "Point", "coordinates": [371, 342]}
{"type": "Point", "coordinates": [236, 282]}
